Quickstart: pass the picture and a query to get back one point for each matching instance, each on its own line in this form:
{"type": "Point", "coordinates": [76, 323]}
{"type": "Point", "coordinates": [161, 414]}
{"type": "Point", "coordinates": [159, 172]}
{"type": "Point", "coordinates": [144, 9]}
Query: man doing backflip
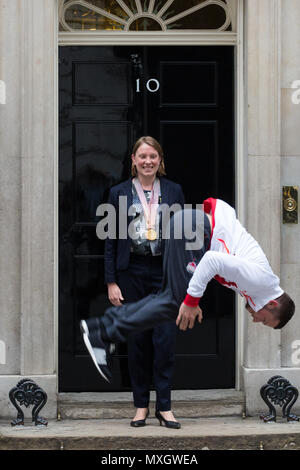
{"type": "Point", "coordinates": [227, 253]}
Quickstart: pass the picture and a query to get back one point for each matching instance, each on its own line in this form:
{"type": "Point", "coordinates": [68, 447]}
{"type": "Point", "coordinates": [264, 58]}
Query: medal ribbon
{"type": "Point", "coordinates": [150, 209]}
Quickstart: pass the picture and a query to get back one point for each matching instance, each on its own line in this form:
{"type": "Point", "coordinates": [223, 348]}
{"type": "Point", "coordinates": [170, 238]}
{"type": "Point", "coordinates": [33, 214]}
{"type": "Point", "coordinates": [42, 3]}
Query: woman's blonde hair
{"type": "Point", "coordinates": [156, 145]}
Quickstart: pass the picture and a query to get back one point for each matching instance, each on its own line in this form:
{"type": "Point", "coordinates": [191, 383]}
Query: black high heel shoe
{"type": "Point", "coordinates": [139, 423]}
{"type": "Point", "coordinates": [168, 424]}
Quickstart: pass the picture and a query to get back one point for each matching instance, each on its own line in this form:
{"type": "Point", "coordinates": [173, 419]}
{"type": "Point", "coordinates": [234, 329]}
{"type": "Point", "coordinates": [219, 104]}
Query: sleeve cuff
{"type": "Point", "coordinates": [191, 301]}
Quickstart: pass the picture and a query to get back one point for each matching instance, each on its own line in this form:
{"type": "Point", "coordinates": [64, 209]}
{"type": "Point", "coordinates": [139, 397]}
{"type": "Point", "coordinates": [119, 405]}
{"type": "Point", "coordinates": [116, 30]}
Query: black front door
{"type": "Point", "coordinates": [110, 96]}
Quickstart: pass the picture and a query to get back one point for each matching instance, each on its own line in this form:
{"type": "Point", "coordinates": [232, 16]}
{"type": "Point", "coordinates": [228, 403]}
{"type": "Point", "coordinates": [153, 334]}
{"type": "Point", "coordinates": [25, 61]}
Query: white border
{"type": "Point", "coordinates": [240, 172]}
{"type": "Point", "coordinates": [173, 38]}
{"type": "Point", "coordinates": [56, 197]}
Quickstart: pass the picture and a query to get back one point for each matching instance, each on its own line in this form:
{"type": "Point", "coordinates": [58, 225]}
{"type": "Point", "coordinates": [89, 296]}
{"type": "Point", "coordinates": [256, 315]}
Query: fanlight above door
{"type": "Point", "coordinates": [147, 15]}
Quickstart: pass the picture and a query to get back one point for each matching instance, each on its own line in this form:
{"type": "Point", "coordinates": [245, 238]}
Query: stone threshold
{"type": "Point", "coordinates": [119, 405]}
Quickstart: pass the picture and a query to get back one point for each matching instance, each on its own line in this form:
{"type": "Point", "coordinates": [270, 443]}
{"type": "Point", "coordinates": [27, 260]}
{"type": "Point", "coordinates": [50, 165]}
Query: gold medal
{"type": "Point", "coordinates": [150, 208]}
{"type": "Point", "coordinates": [151, 234]}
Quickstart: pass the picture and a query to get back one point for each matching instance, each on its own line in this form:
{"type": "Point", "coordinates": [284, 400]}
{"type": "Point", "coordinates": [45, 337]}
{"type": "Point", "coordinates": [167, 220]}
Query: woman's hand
{"type": "Point", "coordinates": [187, 316]}
{"type": "Point", "coordinates": [114, 294]}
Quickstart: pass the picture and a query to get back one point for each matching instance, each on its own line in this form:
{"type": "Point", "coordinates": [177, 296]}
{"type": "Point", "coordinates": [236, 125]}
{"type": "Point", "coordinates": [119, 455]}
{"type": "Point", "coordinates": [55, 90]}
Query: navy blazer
{"type": "Point", "coordinates": [117, 252]}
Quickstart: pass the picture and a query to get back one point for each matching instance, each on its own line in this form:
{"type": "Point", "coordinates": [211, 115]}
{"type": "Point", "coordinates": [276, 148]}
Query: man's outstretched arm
{"type": "Point", "coordinates": [234, 269]}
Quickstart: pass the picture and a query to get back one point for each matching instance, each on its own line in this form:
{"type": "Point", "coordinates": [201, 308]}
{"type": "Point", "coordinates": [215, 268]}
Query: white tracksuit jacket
{"type": "Point", "coordinates": [234, 259]}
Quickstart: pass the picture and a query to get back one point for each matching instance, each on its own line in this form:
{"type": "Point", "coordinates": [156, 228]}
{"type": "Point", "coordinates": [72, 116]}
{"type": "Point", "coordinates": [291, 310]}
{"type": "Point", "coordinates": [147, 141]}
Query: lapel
{"type": "Point", "coordinates": [128, 192]}
{"type": "Point", "coordinates": [164, 191]}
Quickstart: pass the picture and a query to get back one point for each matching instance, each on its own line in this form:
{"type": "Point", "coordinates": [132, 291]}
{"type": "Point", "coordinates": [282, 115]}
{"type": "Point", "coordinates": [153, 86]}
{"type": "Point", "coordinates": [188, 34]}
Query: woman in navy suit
{"type": "Point", "coordinates": [133, 270]}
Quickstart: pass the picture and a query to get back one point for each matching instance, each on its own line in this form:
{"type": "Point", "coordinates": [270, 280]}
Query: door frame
{"type": "Point", "coordinates": [172, 38]}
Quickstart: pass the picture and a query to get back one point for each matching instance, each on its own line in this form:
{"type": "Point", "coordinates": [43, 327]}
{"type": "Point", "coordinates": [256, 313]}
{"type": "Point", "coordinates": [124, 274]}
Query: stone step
{"type": "Point", "coordinates": [185, 404]}
{"type": "Point", "coordinates": [225, 433]}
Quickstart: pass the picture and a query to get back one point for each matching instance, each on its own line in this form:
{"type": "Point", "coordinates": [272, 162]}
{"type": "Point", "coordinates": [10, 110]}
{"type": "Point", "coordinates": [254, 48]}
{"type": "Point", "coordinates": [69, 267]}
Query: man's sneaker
{"type": "Point", "coordinates": [97, 348]}
{"type": "Point", "coordinates": [92, 324]}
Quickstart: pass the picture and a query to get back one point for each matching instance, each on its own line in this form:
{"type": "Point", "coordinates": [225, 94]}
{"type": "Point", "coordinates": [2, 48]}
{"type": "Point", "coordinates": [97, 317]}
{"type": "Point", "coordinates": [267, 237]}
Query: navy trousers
{"type": "Point", "coordinates": [117, 323]}
{"type": "Point", "coordinates": [150, 352]}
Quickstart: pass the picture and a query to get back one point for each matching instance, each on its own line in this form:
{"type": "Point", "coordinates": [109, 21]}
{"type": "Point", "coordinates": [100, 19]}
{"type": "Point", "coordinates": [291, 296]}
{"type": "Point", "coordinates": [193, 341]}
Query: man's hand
{"type": "Point", "coordinates": [187, 315]}
{"type": "Point", "coordinates": [114, 294]}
